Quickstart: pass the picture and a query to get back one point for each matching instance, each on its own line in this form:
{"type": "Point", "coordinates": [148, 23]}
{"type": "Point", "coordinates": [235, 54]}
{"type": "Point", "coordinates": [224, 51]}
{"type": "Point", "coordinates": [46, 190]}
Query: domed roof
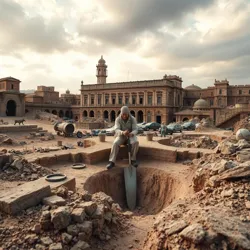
{"type": "Point", "coordinates": [67, 91]}
{"type": "Point", "coordinates": [193, 87]}
{"type": "Point", "coordinates": [201, 104]}
{"type": "Point", "coordinates": [102, 61]}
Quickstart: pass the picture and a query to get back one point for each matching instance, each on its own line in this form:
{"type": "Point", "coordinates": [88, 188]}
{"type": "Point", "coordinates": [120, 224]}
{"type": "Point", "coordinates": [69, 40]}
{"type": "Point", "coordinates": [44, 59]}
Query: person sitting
{"type": "Point", "coordinates": [125, 128]}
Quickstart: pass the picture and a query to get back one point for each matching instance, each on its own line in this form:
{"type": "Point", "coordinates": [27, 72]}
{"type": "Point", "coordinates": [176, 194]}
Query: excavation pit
{"type": "Point", "coordinates": [155, 188]}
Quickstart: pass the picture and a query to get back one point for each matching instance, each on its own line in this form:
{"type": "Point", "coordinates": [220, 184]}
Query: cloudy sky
{"type": "Point", "coordinates": [58, 42]}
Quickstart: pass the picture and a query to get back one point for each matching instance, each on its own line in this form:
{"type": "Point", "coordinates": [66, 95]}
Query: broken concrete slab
{"type": "Point", "coordinates": [25, 196]}
{"type": "Point", "coordinates": [54, 200]}
{"type": "Point", "coordinates": [30, 194]}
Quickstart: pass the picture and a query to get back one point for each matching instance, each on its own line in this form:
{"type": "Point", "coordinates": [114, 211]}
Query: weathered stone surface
{"type": "Point", "coordinates": [227, 193]}
{"type": "Point", "coordinates": [61, 218]}
{"type": "Point", "coordinates": [227, 147]}
{"type": "Point", "coordinates": [78, 215]}
{"type": "Point", "coordinates": [176, 227]}
{"type": "Point", "coordinates": [25, 196]}
{"type": "Point", "coordinates": [247, 203]}
{"type": "Point", "coordinates": [72, 230]}
{"type": "Point", "coordinates": [243, 156]}
{"type": "Point", "coordinates": [241, 171]}
{"type": "Point", "coordinates": [89, 207]}
{"type": "Point", "coordinates": [46, 241]}
{"type": "Point", "coordinates": [56, 246]}
{"type": "Point", "coordinates": [85, 230]}
{"type": "Point", "coordinates": [66, 238]}
{"type": "Point", "coordinates": [81, 245]}
{"type": "Point", "coordinates": [39, 247]}
{"type": "Point", "coordinates": [54, 200]}
{"type": "Point", "coordinates": [194, 233]}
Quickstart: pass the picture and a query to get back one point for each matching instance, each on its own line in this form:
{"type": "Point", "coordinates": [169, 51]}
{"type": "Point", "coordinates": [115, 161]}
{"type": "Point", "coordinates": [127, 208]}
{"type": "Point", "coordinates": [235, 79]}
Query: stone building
{"type": "Point", "coordinates": [149, 100]}
{"type": "Point", "coordinates": [12, 101]}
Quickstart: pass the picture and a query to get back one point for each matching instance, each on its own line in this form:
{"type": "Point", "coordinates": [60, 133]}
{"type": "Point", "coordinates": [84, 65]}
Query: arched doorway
{"type": "Point", "coordinates": [67, 114]}
{"type": "Point", "coordinates": [185, 119]}
{"type": "Point", "coordinates": [11, 108]}
{"type": "Point", "coordinates": [106, 115]}
{"type": "Point", "coordinates": [140, 116]}
{"type": "Point", "coordinates": [132, 112]}
{"type": "Point", "coordinates": [158, 117]}
{"type": "Point", "coordinates": [46, 110]}
{"type": "Point", "coordinates": [61, 114]}
{"type": "Point", "coordinates": [54, 112]}
{"type": "Point", "coordinates": [26, 111]}
{"type": "Point", "coordinates": [76, 118]}
{"type": "Point", "coordinates": [85, 113]}
{"type": "Point", "coordinates": [112, 116]}
{"type": "Point", "coordinates": [91, 113]}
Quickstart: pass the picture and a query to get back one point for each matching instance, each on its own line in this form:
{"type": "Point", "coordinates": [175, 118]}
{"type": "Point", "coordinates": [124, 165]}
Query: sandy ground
{"type": "Point", "coordinates": [140, 222]}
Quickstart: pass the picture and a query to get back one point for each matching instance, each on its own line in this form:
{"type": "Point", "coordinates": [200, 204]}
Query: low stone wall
{"type": "Point", "coordinates": [18, 128]}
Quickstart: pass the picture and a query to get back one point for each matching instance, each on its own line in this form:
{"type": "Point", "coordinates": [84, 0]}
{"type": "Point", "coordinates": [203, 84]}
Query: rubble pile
{"type": "Point", "coordinates": [217, 216]}
{"type": "Point", "coordinates": [243, 123]}
{"type": "Point", "coordinates": [205, 124]}
{"type": "Point", "coordinates": [21, 170]}
{"type": "Point", "coordinates": [6, 140]}
{"type": "Point", "coordinates": [42, 136]}
{"type": "Point", "coordinates": [47, 116]}
{"type": "Point", "coordinates": [194, 142]}
{"type": "Point", "coordinates": [76, 221]}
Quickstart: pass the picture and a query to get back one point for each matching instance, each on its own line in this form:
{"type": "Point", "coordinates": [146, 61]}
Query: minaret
{"type": "Point", "coordinates": [101, 71]}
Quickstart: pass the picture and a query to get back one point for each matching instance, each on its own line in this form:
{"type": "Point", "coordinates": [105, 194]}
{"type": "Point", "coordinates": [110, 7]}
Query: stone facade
{"type": "Point", "coordinates": [159, 100]}
{"type": "Point", "coordinates": [12, 101]}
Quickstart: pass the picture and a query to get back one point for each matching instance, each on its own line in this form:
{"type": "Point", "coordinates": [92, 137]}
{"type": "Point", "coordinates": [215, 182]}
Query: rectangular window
{"type": "Point", "coordinates": [249, 91]}
{"type": "Point", "coordinates": [240, 92]}
{"type": "Point", "coordinates": [85, 100]}
{"type": "Point", "coordinates": [126, 100]}
{"type": "Point", "coordinates": [141, 100]}
{"type": "Point", "coordinates": [220, 91]}
{"type": "Point", "coordinates": [149, 99]}
{"type": "Point", "coordinates": [211, 102]}
{"type": "Point", "coordinates": [99, 100]}
{"type": "Point", "coordinates": [133, 100]}
{"type": "Point", "coordinates": [159, 102]}
{"type": "Point", "coordinates": [106, 99]}
{"type": "Point", "coordinates": [92, 101]}
{"type": "Point", "coordinates": [113, 99]}
{"type": "Point", "coordinates": [120, 99]}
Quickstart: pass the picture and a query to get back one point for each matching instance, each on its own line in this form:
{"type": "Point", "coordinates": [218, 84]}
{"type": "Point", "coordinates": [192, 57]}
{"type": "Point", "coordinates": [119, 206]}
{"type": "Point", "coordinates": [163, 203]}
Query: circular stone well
{"type": "Point", "coordinates": [155, 188]}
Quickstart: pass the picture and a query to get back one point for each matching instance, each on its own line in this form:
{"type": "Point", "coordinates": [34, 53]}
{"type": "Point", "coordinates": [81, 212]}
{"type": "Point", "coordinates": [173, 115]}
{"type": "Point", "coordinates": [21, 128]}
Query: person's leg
{"type": "Point", "coordinates": [115, 149]}
{"type": "Point", "coordinates": [134, 149]}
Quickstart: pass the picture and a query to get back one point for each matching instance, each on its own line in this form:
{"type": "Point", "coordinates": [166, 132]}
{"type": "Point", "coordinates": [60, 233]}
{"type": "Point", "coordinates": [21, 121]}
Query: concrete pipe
{"type": "Point", "coordinates": [64, 127]}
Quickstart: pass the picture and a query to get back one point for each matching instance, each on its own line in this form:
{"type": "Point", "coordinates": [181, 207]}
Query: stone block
{"type": "Point", "coordinates": [54, 200]}
{"type": "Point", "coordinates": [27, 195]}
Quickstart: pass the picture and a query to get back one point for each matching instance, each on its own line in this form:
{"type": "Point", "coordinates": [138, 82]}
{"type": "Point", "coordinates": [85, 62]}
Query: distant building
{"type": "Point", "coordinates": [12, 101]}
{"type": "Point", "coordinates": [160, 100]}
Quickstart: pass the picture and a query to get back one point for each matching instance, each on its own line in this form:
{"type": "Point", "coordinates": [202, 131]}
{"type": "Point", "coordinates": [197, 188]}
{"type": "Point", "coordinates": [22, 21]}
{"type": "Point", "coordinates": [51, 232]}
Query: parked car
{"type": "Point", "coordinates": [109, 131]}
{"type": "Point", "coordinates": [95, 132]}
{"type": "Point", "coordinates": [188, 126]}
{"type": "Point", "coordinates": [141, 124]}
{"type": "Point", "coordinates": [152, 125]}
{"type": "Point", "coordinates": [70, 121]}
{"type": "Point", "coordinates": [175, 127]}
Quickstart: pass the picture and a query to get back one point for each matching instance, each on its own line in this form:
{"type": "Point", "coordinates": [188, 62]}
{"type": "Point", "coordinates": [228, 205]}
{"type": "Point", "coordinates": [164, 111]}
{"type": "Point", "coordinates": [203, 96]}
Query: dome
{"type": "Point", "coordinates": [201, 104]}
{"type": "Point", "coordinates": [193, 87]}
{"type": "Point", "coordinates": [67, 91]}
{"type": "Point", "coordinates": [243, 133]}
{"type": "Point", "coordinates": [102, 61]}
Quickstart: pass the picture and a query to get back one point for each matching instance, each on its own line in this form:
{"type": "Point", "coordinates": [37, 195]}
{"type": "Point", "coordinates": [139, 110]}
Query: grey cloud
{"type": "Point", "coordinates": [19, 31]}
{"type": "Point", "coordinates": [134, 17]}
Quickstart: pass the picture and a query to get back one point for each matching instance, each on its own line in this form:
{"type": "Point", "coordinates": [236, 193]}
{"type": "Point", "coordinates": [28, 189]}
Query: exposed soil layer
{"type": "Point", "coordinates": [155, 188]}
